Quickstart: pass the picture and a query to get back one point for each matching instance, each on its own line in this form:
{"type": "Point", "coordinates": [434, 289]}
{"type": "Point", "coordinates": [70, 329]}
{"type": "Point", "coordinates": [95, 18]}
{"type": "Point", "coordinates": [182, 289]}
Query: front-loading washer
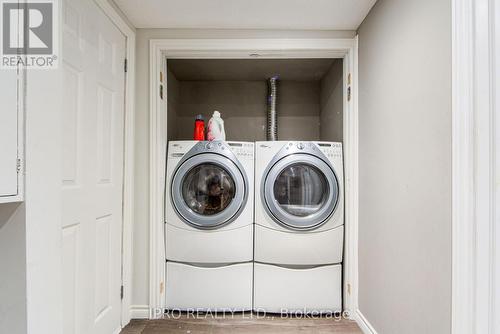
{"type": "Point", "coordinates": [299, 232]}
{"type": "Point", "coordinates": [209, 225]}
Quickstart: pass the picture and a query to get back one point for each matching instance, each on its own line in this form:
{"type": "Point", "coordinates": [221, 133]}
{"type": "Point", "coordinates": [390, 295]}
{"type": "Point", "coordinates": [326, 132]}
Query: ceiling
{"type": "Point", "coordinates": [247, 14]}
{"type": "Point", "coordinates": [249, 69]}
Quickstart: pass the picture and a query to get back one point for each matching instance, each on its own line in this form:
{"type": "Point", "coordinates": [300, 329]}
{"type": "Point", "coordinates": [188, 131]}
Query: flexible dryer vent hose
{"type": "Point", "coordinates": [272, 117]}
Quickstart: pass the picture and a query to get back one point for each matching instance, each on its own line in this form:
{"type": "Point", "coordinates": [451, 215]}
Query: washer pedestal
{"type": "Point", "coordinates": [209, 288]}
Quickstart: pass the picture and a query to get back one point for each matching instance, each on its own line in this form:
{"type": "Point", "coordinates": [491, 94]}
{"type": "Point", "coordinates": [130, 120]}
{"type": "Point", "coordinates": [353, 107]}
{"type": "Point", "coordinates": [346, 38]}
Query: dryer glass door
{"type": "Point", "coordinates": [208, 191]}
{"type": "Point", "coordinates": [301, 191]}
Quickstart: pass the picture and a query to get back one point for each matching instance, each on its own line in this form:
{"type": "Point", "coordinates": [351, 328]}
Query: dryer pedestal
{"type": "Point", "coordinates": [315, 290]}
{"type": "Point", "coordinates": [292, 248]}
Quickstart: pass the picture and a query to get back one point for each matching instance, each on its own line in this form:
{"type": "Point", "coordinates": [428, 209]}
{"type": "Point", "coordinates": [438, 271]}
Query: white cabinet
{"type": "Point", "coordinates": [10, 137]}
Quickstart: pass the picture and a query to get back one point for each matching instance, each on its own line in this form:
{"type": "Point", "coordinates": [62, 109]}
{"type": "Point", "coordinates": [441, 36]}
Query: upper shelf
{"type": "Point", "coordinates": [249, 69]}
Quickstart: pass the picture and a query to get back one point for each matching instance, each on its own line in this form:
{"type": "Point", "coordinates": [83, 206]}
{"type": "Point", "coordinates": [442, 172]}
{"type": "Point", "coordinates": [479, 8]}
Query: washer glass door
{"type": "Point", "coordinates": [208, 191]}
{"type": "Point", "coordinates": [301, 191]}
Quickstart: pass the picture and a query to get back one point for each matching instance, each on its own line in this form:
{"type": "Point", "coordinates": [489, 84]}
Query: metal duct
{"type": "Point", "coordinates": [272, 117]}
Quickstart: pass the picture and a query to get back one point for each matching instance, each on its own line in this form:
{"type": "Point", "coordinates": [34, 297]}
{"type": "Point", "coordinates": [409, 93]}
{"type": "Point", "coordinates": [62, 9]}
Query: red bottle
{"type": "Point", "coordinates": [199, 128]}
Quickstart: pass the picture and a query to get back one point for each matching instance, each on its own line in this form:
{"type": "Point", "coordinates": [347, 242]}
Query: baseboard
{"type": "Point", "coordinates": [139, 312]}
{"type": "Point", "coordinates": [365, 326]}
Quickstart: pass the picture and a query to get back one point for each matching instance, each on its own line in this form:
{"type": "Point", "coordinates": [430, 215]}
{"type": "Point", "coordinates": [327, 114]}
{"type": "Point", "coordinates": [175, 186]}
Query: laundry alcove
{"type": "Point", "coordinates": [309, 103]}
{"type": "Point", "coordinates": [316, 101]}
{"type": "Point", "coordinates": [310, 107]}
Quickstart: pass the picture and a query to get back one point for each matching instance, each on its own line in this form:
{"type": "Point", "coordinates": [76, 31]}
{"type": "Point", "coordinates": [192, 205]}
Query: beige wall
{"type": "Point", "coordinates": [332, 104]}
{"type": "Point", "coordinates": [140, 287]}
{"type": "Point", "coordinates": [173, 100]}
{"type": "Point", "coordinates": [13, 312]}
{"type": "Point", "coordinates": [405, 166]}
{"type": "Point", "coordinates": [243, 107]}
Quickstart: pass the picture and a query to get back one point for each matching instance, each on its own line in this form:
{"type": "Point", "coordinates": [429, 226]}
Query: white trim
{"type": "Point", "coordinates": [128, 190]}
{"type": "Point", "coordinates": [462, 169]}
{"type": "Point", "coordinates": [129, 162]}
{"type": "Point", "coordinates": [475, 148]}
{"type": "Point", "coordinates": [351, 176]}
{"type": "Point", "coordinates": [139, 312]}
{"type": "Point", "coordinates": [246, 48]}
{"type": "Point", "coordinates": [115, 17]}
{"type": "Point", "coordinates": [495, 258]}
{"type": "Point", "coordinates": [363, 324]}
{"type": "Point", "coordinates": [156, 189]}
{"type": "Point", "coordinates": [21, 135]}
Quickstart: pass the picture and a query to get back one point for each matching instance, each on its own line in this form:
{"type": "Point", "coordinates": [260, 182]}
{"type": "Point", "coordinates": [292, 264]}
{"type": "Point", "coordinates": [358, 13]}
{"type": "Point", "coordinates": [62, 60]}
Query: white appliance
{"type": "Point", "coordinates": [299, 232]}
{"type": "Point", "coordinates": [209, 225]}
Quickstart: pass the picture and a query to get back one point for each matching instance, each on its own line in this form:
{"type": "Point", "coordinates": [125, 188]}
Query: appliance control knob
{"type": "Point", "coordinates": [300, 146]}
{"type": "Point", "coordinates": [209, 146]}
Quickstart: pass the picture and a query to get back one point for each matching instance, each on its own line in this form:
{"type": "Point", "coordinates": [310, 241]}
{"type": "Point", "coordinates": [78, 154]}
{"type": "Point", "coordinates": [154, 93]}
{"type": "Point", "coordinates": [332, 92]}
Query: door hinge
{"type": "Point", "coordinates": [125, 67]}
{"type": "Point", "coordinates": [18, 166]}
{"type": "Point", "coordinates": [121, 292]}
{"type": "Point", "coordinates": [349, 94]}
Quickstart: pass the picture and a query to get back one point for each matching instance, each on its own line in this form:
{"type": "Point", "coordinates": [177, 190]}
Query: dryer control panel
{"type": "Point", "coordinates": [329, 149]}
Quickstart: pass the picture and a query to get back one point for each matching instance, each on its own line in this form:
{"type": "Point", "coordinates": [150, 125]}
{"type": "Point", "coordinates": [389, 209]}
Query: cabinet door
{"type": "Point", "coordinates": [8, 135]}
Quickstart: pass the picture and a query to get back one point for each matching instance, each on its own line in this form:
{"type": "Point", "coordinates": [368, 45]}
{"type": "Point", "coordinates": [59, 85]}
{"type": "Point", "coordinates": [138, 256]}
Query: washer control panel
{"type": "Point", "coordinates": [178, 149]}
{"type": "Point", "coordinates": [242, 149]}
{"type": "Point", "coordinates": [331, 150]}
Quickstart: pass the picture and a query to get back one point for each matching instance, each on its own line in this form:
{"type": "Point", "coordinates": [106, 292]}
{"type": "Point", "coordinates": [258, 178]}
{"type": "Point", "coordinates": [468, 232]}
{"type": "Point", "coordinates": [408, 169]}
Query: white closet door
{"type": "Point", "coordinates": [92, 171]}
